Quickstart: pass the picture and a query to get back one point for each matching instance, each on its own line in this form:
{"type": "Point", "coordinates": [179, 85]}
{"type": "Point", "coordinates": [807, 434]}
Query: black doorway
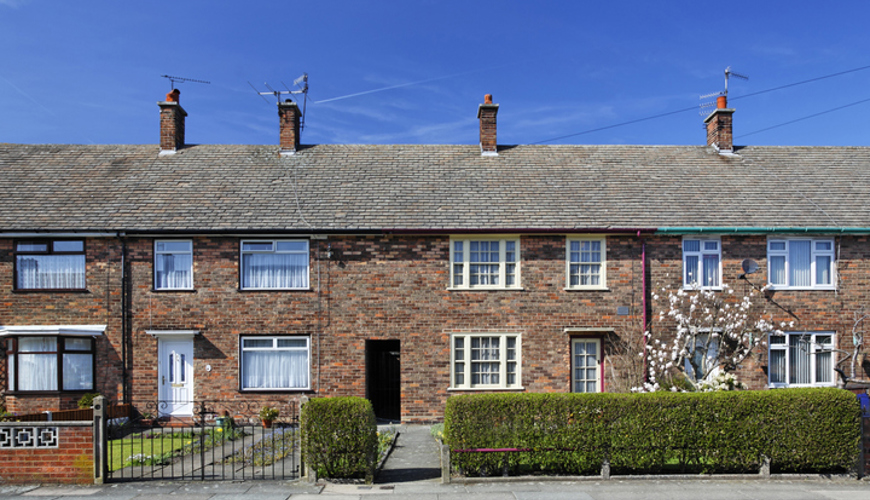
{"type": "Point", "coordinates": [382, 378]}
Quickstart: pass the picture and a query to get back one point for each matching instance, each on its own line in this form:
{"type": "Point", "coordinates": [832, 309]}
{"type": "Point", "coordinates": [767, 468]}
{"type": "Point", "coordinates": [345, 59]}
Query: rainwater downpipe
{"type": "Point", "coordinates": [643, 297]}
{"type": "Point", "coordinates": [124, 313]}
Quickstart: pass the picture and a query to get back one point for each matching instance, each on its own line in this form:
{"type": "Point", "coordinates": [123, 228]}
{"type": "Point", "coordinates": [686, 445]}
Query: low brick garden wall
{"type": "Point", "coordinates": [47, 452]}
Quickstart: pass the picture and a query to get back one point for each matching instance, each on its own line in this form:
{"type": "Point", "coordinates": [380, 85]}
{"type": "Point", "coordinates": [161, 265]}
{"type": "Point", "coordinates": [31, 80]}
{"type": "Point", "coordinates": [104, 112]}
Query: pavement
{"type": "Point", "coordinates": [412, 471]}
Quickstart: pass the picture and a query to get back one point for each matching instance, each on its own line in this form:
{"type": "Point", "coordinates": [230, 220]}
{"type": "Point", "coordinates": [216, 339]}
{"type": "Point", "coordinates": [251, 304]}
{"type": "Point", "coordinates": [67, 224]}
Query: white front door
{"type": "Point", "coordinates": [175, 377]}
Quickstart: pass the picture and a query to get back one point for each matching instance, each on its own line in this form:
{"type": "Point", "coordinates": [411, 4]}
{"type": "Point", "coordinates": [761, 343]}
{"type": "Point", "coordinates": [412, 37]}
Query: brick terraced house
{"type": "Point", "coordinates": [404, 274]}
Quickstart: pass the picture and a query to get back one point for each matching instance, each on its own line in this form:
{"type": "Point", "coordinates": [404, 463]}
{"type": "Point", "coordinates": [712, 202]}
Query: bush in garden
{"type": "Point", "coordinates": [800, 430]}
{"type": "Point", "coordinates": [339, 437]}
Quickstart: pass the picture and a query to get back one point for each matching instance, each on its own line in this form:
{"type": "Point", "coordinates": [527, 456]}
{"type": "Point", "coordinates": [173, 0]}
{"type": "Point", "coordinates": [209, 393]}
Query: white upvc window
{"type": "Point", "coordinates": [485, 361]}
{"type": "Point", "coordinates": [702, 263]}
{"type": "Point", "coordinates": [275, 363]}
{"type": "Point", "coordinates": [801, 359]}
{"type": "Point", "coordinates": [173, 265]}
{"type": "Point", "coordinates": [586, 365]}
{"type": "Point", "coordinates": [50, 265]}
{"type": "Point", "coordinates": [274, 265]}
{"type": "Point", "coordinates": [586, 263]}
{"type": "Point", "coordinates": [801, 263]}
{"type": "Point", "coordinates": [484, 263]}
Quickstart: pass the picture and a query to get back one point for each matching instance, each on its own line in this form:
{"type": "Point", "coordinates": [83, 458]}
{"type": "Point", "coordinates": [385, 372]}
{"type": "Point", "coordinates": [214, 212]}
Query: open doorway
{"type": "Point", "coordinates": [383, 371]}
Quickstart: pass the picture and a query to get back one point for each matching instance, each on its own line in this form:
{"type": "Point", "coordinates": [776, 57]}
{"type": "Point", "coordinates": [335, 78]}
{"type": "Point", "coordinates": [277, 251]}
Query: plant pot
{"type": "Point", "coordinates": [147, 422]}
{"type": "Point", "coordinates": [267, 424]}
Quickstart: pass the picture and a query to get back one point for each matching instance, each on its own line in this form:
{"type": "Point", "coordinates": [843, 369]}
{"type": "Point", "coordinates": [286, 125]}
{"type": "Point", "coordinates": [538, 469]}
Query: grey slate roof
{"type": "Point", "coordinates": [428, 187]}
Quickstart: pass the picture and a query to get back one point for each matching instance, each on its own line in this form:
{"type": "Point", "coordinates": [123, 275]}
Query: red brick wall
{"type": "Point", "coordinates": [99, 305]}
{"type": "Point", "coordinates": [71, 462]}
{"type": "Point", "coordinates": [394, 287]}
{"type": "Point", "coordinates": [391, 287]}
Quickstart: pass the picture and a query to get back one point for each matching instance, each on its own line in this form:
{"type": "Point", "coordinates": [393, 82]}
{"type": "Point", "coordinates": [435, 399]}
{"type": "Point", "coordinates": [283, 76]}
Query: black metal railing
{"type": "Point", "coordinates": [218, 440]}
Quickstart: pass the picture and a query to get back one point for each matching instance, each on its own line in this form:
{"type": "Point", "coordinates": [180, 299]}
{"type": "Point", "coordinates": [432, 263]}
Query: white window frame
{"type": "Point", "coordinates": [602, 263]}
{"type": "Point", "coordinates": [173, 252]}
{"type": "Point", "coordinates": [462, 269]}
{"type": "Point", "coordinates": [815, 254]}
{"type": "Point", "coordinates": [815, 348]}
{"type": "Point", "coordinates": [274, 250]}
{"type": "Point", "coordinates": [463, 356]}
{"type": "Point", "coordinates": [275, 347]}
{"type": "Point", "coordinates": [700, 254]}
{"type": "Point", "coordinates": [599, 359]}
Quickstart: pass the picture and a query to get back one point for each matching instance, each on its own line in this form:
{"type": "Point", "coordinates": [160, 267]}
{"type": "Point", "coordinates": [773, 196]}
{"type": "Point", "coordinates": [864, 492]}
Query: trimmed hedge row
{"type": "Point", "coordinates": [339, 437]}
{"type": "Point", "coordinates": [800, 430]}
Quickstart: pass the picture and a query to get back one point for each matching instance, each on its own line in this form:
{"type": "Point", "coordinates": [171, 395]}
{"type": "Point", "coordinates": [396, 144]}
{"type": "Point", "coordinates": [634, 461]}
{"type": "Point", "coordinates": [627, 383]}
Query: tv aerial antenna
{"type": "Point", "coordinates": [301, 84]}
{"type": "Point", "coordinates": [173, 79]}
{"type": "Point", "coordinates": [705, 106]}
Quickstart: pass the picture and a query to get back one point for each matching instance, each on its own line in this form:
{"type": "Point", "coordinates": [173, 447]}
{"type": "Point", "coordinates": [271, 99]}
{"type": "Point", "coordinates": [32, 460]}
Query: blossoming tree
{"type": "Point", "coordinates": [714, 332]}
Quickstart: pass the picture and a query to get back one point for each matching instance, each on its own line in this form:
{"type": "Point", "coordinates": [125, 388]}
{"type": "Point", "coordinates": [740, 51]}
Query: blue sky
{"type": "Point", "coordinates": [89, 71]}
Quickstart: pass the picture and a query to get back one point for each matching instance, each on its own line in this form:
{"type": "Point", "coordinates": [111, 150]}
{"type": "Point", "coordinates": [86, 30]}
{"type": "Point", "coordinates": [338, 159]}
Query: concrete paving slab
{"type": "Point", "coordinates": [64, 491]}
{"type": "Point", "coordinates": [549, 495]}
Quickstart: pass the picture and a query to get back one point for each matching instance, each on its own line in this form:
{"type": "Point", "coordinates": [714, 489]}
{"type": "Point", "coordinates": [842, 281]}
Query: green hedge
{"type": "Point", "coordinates": [339, 437]}
{"type": "Point", "coordinates": [800, 430]}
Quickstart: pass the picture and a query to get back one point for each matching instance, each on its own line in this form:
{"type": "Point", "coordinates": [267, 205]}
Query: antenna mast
{"type": "Point", "coordinates": [173, 79]}
{"type": "Point", "coordinates": [301, 83]}
{"type": "Point", "coordinates": [728, 75]}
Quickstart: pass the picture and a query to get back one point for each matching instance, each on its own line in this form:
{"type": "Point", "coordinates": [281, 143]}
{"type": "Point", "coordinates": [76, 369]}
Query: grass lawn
{"type": "Point", "coordinates": [157, 448]}
{"type": "Point", "coordinates": [139, 449]}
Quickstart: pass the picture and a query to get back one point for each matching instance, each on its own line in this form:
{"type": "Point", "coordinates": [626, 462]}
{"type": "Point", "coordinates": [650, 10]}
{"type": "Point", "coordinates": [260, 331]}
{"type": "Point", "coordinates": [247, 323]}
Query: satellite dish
{"type": "Point", "coordinates": [749, 266]}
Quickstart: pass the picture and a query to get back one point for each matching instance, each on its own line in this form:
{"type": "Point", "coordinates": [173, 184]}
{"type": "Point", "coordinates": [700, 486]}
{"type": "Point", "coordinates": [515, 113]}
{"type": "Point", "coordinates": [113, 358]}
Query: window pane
{"type": "Point", "coordinates": [297, 343]}
{"type": "Point", "coordinates": [776, 366]}
{"type": "Point", "coordinates": [32, 247]}
{"type": "Point", "coordinates": [824, 246]}
{"type": "Point", "coordinates": [799, 263]}
{"type": "Point", "coordinates": [292, 246]}
{"type": "Point", "coordinates": [69, 246]}
{"type": "Point", "coordinates": [37, 344]}
{"type": "Point", "coordinates": [77, 344]}
{"type": "Point", "coordinates": [11, 371]}
{"type": "Point", "coordinates": [824, 370]}
{"type": "Point", "coordinates": [51, 271]}
{"type": "Point", "coordinates": [691, 245]}
{"type": "Point", "coordinates": [799, 359]}
{"type": "Point", "coordinates": [78, 372]}
{"type": "Point", "coordinates": [250, 343]}
{"type": "Point", "coordinates": [711, 245]}
{"type": "Point", "coordinates": [823, 270]}
{"type": "Point", "coordinates": [37, 372]}
{"type": "Point", "coordinates": [777, 270]}
{"type": "Point", "coordinates": [174, 246]}
{"type": "Point", "coordinates": [777, 245]}
{"type": "Point", "coordinates": [457, 251]}
{"type": "Point", "coordinates": [272, 369]}
{"type": "Point", "coordinates": [711, 270]}
{"type": "Point", "coordinates": [691, 269]}
{"type": "Point", "coordinates": [173, 271]}
{"type": "Point", "coordinates": [257, 246]}
{"type": "Point", "coordinates": [275, 270]}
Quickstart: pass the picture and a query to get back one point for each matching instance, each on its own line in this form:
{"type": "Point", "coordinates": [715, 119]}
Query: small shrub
{"type": "Point", "coordinates": [87, 400]}
{"type": "Point", "coordinates": [339, 437]}
{"type": "Point", "coordinates": [269, 413]}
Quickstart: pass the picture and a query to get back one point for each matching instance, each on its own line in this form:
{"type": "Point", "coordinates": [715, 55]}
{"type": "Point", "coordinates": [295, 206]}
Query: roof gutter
{"type": "Point", "coordinates": [318, 231]}
{"type": "Point", "coordinates": [763, 230]}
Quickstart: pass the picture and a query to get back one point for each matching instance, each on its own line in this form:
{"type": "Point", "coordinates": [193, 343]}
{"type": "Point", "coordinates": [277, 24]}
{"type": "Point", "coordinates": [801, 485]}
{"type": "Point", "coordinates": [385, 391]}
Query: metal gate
{"type": "Point", "coordinates": [220, 441]}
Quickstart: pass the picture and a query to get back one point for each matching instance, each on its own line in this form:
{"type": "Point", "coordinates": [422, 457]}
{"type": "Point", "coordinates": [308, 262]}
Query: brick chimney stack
{"type": "Point", "coordinates": [487, 112]}
{"type": "Point", "coordinates": [719, 126]}
{"type": "Point", "coordinates": [171, 123]}
{"type": "Point", "coordinates": [288, 116]}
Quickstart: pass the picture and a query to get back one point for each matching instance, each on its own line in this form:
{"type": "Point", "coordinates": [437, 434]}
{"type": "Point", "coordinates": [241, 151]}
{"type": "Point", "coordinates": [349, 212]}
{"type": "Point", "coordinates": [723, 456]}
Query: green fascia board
{"type": "Point", "coordinates": [763, 230]}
